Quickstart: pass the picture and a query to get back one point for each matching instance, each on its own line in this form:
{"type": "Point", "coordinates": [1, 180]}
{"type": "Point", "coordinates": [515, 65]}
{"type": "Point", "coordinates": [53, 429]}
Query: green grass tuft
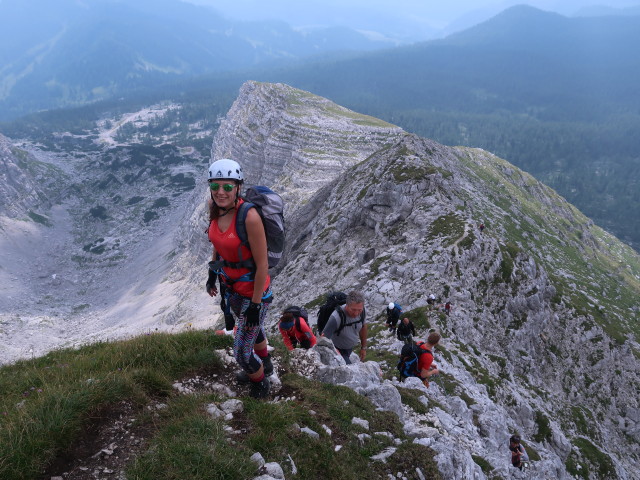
{"type": "Point", "coordinates": [47, 402]}
{"type": "Point", "coordinates": [544, 428]}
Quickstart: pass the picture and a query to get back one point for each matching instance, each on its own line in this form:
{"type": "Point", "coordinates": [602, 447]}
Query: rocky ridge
{"type": "Point", "coordinates": [295, 141]}
{"type": "Point", "coordinates": [533, 293]}
{"type": "Point", "coordinates": [20, 174]}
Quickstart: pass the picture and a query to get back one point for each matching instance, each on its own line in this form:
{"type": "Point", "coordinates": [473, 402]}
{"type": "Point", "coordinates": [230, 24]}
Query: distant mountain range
{"type": "Point", "coordinates": [523, 60]}
{"type": "Point", "coordinates": [63, 53]}
{"type": "Point", "coordinates": [557, 96]}
{"type": "Point", "coordinates": [601, 10]}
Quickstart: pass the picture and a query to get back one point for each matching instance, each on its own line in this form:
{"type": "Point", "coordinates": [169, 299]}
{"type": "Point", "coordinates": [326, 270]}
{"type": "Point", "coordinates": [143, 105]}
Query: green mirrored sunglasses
{"type": "Point", "coordinates": [227, 187]}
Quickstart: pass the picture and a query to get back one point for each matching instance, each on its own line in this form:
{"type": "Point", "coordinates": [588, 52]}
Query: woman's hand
{"type": "Point", "coordinates": [210, 286]}
{"type": "Point", "coordinates": [252, 314]}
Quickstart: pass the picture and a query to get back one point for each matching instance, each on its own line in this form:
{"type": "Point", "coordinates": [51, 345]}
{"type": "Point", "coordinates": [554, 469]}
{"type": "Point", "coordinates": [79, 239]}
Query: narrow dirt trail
{"type": "Point", "coordinates": [464, 235]}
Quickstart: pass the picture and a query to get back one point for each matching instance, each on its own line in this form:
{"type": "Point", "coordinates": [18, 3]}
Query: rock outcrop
{"type": "Point", "coordinates": [19, 177]}
{"type": "Point", "coordinates": [295, 141]}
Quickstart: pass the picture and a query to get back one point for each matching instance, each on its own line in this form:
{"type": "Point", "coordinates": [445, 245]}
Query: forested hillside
{"type": "Point", "coordinates": [556, 96]}
{"type": "Point", "coordinates": [68, 53]}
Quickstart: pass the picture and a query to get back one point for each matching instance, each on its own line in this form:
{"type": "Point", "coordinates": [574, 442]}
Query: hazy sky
{"type": "Point", "coordinates": [363, 14]}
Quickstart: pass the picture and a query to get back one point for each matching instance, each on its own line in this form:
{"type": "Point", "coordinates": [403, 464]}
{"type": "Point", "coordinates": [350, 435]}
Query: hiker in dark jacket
{"type": "Point", "coordinates": [345, 334]}
{"type": "Point", "coordinates": [393, 315]}
{"type": "Point", "coordinates": [518, 453]}
{"type": "Point", "coordinates": [406, 331]}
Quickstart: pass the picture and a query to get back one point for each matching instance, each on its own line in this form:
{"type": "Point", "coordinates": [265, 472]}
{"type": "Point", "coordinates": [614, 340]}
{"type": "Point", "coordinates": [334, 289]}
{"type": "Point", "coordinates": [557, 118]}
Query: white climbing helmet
{"type": "Point", "coordinates": [392, 306]}
{"type": "Point", "coordinates": [226, 169]}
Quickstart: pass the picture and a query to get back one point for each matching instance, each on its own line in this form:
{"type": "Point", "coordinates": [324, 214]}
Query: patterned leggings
{"type": "Point", "coordinates": [246, 337]}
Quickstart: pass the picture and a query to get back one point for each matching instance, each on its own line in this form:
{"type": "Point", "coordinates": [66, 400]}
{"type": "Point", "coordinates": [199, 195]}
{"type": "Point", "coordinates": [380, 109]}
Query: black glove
{"type": "Point", "coordinates": [252, 314]}
{"type": "Point", "coordinates": [229, 321]}
{"type": "Point", "coordinates": [211, 281]}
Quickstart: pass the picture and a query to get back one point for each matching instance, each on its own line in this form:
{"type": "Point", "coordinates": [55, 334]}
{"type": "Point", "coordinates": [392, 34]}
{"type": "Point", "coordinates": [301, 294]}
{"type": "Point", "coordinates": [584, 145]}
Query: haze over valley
{"type": "Point", "coordinates": [556, 95]}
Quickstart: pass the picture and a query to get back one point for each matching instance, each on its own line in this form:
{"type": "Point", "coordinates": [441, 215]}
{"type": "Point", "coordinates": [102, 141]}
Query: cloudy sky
{"type": "Point", "coordinates": [390, 15]}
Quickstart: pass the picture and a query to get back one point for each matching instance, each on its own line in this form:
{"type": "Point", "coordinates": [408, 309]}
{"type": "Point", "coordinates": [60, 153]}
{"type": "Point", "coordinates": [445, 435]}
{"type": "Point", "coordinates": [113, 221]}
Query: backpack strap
{"type": "Point", "coordinates": [241, 222]}
{"type": "Point", "coordinates": [343, 320]}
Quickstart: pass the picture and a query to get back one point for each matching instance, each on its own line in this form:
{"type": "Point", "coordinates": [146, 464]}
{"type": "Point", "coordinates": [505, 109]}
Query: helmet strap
{"type": "Point", "coordinates": [226, 210]}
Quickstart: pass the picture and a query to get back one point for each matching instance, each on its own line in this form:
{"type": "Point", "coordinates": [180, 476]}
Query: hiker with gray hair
{"type": "Point", "coordinates": [347, 327]}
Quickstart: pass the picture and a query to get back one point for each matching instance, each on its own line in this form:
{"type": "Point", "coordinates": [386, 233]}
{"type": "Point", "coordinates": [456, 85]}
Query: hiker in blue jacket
{"type": "Point", "coordinates": [347, 326]}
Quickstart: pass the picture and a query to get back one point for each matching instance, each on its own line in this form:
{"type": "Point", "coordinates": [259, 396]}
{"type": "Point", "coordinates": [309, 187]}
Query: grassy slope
{"type": "Point", "coordinates": [48, 403]}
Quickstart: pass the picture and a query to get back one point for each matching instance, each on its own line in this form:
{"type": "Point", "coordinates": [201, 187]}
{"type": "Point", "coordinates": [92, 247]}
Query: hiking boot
{"type": "Point", "coordinates": [242, 377]}
{"type": "Point", "coordinates": [260, 389]}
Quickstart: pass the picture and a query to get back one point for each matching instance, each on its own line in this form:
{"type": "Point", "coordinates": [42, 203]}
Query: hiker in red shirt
{"type": "Point", "coordinates": [295, 329]}
{"type": "Point", "coordinates": [426, 368]}
{"type": "Point", "coordinates": [244, 272]}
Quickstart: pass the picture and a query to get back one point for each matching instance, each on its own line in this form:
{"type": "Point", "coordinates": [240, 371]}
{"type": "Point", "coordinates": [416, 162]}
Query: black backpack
{"type": "Point", "coordinates": [409, 358]}
{"type": "Point", "coordinates": [298, 313]}
{"type": "Point", "coordinates": [332, 301]}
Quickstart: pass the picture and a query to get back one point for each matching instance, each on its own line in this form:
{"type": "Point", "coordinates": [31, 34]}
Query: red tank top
{"type": "Point", "coordinates": [226, 244]}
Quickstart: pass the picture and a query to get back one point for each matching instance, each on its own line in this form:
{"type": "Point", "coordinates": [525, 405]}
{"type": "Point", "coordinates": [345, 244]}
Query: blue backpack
{"type": "Point", "coordinates": [409, 359]}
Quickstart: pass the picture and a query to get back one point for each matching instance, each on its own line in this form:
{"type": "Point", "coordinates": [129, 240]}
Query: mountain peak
{"type": "Point", "coordinates": [299, 141]}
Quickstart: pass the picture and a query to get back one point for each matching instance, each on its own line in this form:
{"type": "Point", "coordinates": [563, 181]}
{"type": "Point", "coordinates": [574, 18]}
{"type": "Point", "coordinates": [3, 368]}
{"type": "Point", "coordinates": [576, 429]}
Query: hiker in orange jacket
{"type": "Point", "coordinates": [295, 330]}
